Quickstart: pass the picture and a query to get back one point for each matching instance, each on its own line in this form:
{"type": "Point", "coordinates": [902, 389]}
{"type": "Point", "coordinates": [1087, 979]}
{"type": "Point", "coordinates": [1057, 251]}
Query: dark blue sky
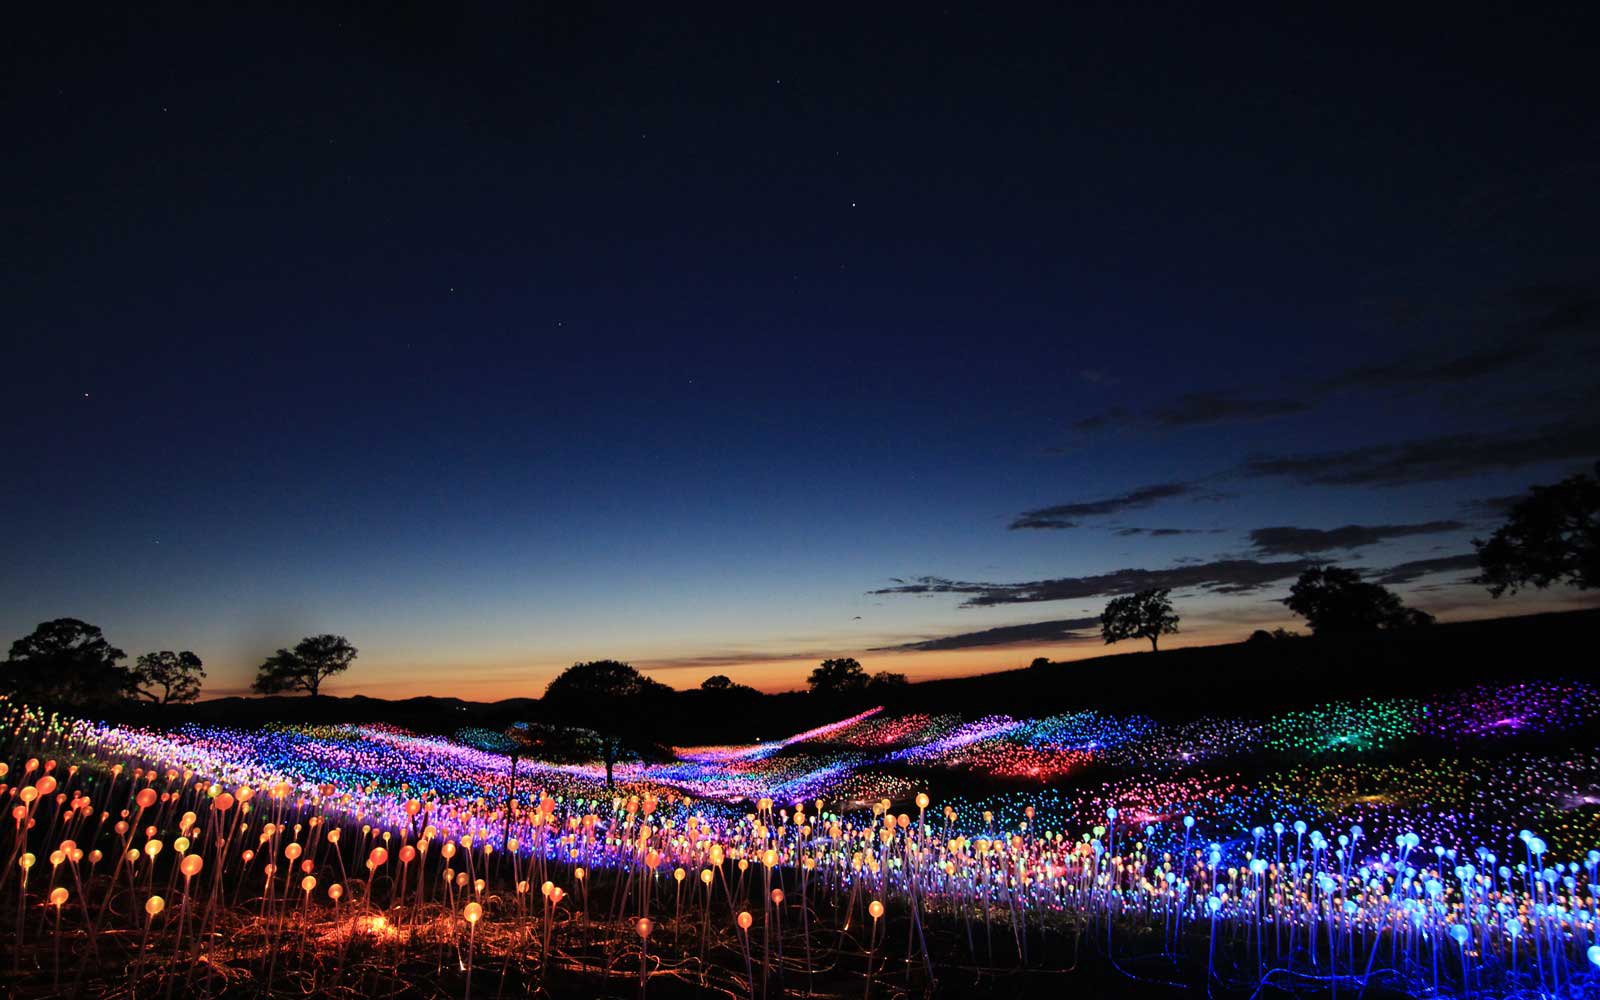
{"type": "Point", "coordinates": [497, 339]}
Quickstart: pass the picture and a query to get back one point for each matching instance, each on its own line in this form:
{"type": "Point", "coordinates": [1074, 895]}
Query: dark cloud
{"type": "Point", "coordinates": [1516, 328]}
{"type": "Point", "coordinates": [1114, 415]}
{"type": "Point", "coordinates": [1492, 507]}
{"type": "Point", "coordinates": [1448, 456]}
{"type": "Point", "coordinates": [1063, 630]}
{"type": "Point", "coordinates": [1165, 532]}
{"type": "Point", "coordinates": [1223, 576]}
{"type": "Point", "coordinates": [1421, 372]}
{"type": "Point", "coordinates": [1561, 310]}
{"type": "Point", "coordinates": [1064, 515]}
{"type": "Point", "coordinates": [729, 658]}
{"type": "Point", "coordinates": [1406, 572]}
{"type": "Point", "coordinates": [1522, 326]}
{"type": "Point", "coordinates": [1286, 541]}
{"type": "Point", "coordinates": [1195, 408]}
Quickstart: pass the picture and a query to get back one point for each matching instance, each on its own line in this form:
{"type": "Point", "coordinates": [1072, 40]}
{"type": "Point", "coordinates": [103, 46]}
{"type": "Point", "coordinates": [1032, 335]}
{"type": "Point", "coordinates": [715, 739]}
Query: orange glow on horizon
{"type": "Point", "coordinates": [502, 679]}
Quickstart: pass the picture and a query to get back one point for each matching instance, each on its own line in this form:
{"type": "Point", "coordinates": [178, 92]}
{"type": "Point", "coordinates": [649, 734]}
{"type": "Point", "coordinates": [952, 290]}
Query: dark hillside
{"type": "Point", "coordinates": [1277, 674]}
{"type": "Point", "coordinates": [1236, 678]}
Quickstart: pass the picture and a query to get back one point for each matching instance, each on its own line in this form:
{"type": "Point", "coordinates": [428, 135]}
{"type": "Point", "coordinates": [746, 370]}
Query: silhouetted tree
{"type": "Point", "coordinates": [1145, 615]}
{"type": "Point", "coordinates": [1261, 636]}
{"type": "Point", "coordinates": [719, 685]}
{"type": "Point", "coordinates": [842, 676]}
{"type": "Point", "coordinates": [1039, 663]}
{"type": "Point", "coordinates": [886, 684]}
{"type": "Point", "coordinates": [1336, 600]}
{"type": "Point", "coordinates": [313, 660]}
{"type": "Point", "coordinates": [1551, 536]}
{"type": "Point", "coordinates": [167, 678]}
{"type": "Point", "coordinates": [613, 699]}
{"type": "Point", "coordinates": [67, 662]}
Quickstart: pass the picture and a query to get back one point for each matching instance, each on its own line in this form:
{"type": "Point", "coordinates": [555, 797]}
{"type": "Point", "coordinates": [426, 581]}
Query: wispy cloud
{"type": "Point", "coordinates": [1063, 630]}
{"type": "Point", "coordinates": [1066, 515]}
{"type": "Point", "coordinates": [1514, 329]}
{"type": "Point", "coordinates": [1492, 507]}
{"type": "Point", "coordinates": [1284, 540]}
{"type": "Point", "coordinates": [1196, 408]}
{"type": "Point", "coordinates": [1560, 310]}
{"type": "Point", "coordinates": [1408, 572]}
{"type": "Point", "coordinates": [1222, 576]}
{"type": "Point", "coordinates": [1425, 371]}
{"type": "Point", "coordinates": [729, 658]}
{"type": "Point", "coordinates": [1449, 456]}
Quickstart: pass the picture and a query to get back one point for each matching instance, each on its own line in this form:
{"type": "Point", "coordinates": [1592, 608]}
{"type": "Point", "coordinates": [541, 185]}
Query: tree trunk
{"type": "Point", "coordinates": [1153, 648]}
{"type": "Point", "coordinates": [511, 791]}
{"type": "Point", "coordinates": [611, 756]}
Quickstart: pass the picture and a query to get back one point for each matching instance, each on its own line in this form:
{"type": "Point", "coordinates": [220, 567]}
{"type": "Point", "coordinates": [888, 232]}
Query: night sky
{"type": "Point", "coordinates": [496, 339]}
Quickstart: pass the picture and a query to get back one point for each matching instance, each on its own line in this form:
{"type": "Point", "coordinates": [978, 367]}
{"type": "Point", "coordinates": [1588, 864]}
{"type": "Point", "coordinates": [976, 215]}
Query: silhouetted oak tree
{"type": "Point", "coordinates": [66, 662]}
{"type": "Point", "coordinates": [1145, 615]}
{"type": "Point", "coordinates": [620, 704]}
{"type": "Point", "coordinates": [1551, 536]}
{"type": "Point", "coordinates": [313, 660]}
{"type": "Point", "coordinates": [1336, 600]}
{"type": "Point", "coordinates": [167, 678]}
{"type": "Point", "coordinates": [841, 676]}
{"type": "Point", "coordinates": [724, 688]}
{"type": "Point", "coordinates": [886, 684]}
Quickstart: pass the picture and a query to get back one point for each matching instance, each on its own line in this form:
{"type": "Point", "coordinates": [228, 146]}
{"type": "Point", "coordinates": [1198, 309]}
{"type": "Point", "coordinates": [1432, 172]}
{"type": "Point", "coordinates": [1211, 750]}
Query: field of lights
{"type": "Point", "coordinates": [1391, 847]}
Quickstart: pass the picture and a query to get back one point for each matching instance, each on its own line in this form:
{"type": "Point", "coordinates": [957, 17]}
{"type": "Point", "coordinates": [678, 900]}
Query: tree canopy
{"type": "Point", "coordinates": [843, 676]}
{"type": "Point", "coordinates": [167, 678]}
{"type": "Point", "coordinates": [722, 686]}
{"type": "Point", "coordinates": [613, 699]}
{"type": "Point", "coordinates": [1335, 600]}
{"type": "Point", "coordinates": [313, 660]}
{"type": "Point", "coordinates": [887, 684]}
{"type": "Point", "coordinates": [67, 662]}
{"type": "Point", "coordinates": [1551, 536]}
{"type": "Point", "coordinates": [1145, 615]}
